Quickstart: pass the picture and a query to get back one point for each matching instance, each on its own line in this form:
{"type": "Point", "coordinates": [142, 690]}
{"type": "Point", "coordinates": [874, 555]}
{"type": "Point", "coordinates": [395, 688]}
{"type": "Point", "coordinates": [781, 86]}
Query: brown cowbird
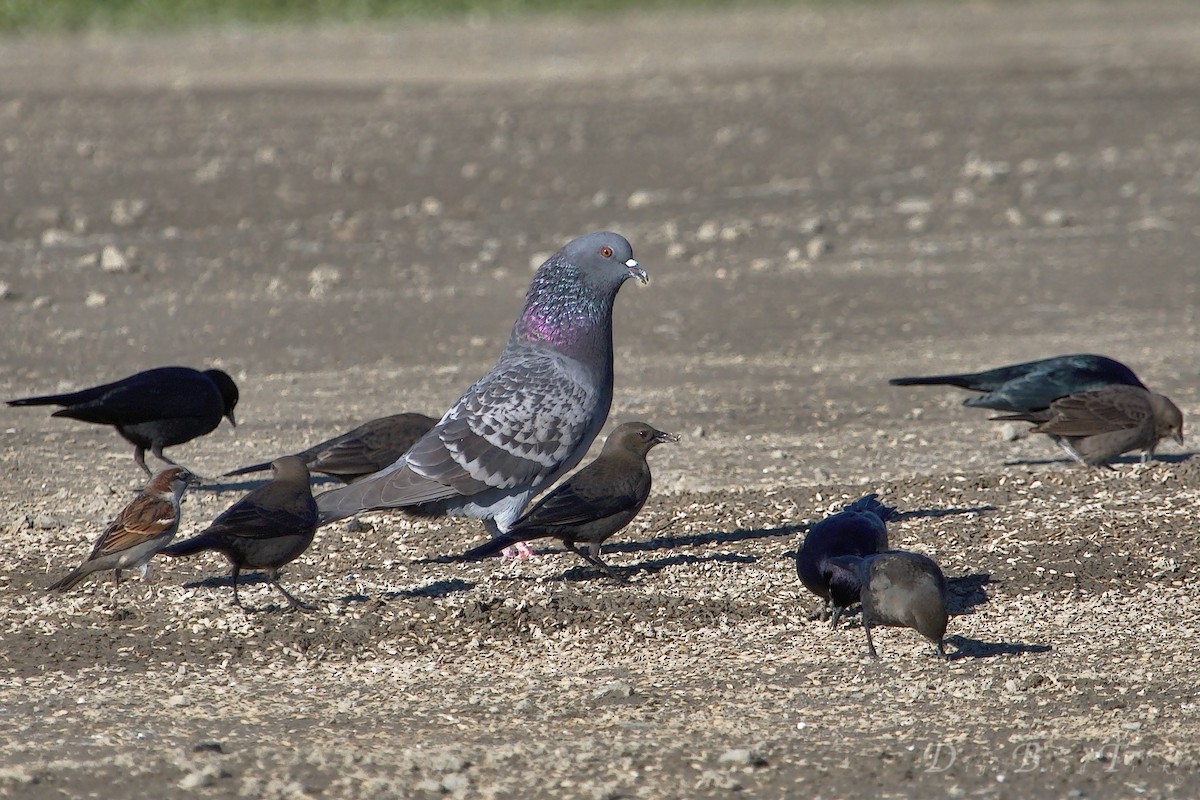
{"type": "Point", "coordinates": [1033, 385]}
{"type": "Point", "coordinates": [1096, 427]}
{"type": "Point", "coordinates": [899, 588]}
{"type": "Point", "coordinates": [532, 417]}
{"type": "Point", "coordinates": [858, 530]}
{"type": "Point", "coordinates": [264, 530]}
{"type": "Point", "coordinates": [152, 409]}
{"type": "Point", "coordinates": [368, 448]}
{"type": "Point", "coordinates": [595, 502]}
{"type": "Point", "coordinates": [142, 529]}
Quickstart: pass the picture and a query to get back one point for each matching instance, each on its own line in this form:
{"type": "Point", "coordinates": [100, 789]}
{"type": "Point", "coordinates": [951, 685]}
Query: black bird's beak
{"type": "Point", "coordinates": [664, 438]}
{"type": "Point", "coordinates": [636, 271]}
{"type": "Point", "coordinates": [232, 421]}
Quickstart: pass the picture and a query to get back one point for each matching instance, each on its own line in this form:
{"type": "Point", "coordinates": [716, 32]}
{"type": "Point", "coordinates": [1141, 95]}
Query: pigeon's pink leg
{"type": "Point", "coordinates": [519, 550]}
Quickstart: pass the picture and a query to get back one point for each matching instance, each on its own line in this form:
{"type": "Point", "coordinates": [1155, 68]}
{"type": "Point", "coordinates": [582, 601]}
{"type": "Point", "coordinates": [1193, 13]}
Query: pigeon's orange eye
{"type": "Point", "coordinates": [606, 251]}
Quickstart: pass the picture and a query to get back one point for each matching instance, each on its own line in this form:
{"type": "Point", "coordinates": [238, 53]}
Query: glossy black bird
{"type": "Point", "coordinates": [859, 530]}
{"type": "Point", "coordinates": [152, 409]}
{"type": "Point", "coordinates": [1095, 427]}
{"type": "Point", "coordinates": [1033, 385]}
{"type": "Point", "coordinates": [898, 588]}
{"type": "Point", "coordinates": [359, 452]}
{"type": "Point", "coordinates": [266, 529]}
{"type": "Point", "coordinates": [594, 503]}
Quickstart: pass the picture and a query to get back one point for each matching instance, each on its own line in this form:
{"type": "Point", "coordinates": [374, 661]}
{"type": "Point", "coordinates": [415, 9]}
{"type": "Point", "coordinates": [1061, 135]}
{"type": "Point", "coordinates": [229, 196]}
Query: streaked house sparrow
{"type": "Point", "coordinates": [142, 529]}
{"type": "Point", "coordinates": [152, 409]}
{"type": "Point", "coordinates": [266, 529]}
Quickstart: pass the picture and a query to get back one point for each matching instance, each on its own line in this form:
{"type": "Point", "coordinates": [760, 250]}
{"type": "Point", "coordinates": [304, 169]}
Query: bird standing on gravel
{"type": "Point", "coordinates": [1033, 385]}
{"type": "Point", "coordinates": [142, 529]}
{"type": "Point", "coordinates": [595, 502]}
{"type": "Point", "coordinates": [264, 530]}
{"type": "Point", "coordinates": [1096, 427]}
{"type": "Point", "coordinates": [362, 451]}
{"type": "Point", "coordinates": [858, 530]}
{"type": "Point", "coordinates": [152, 409]}
{"type": "Point", "coordinates": [898, 588]}
{"type": "Point", "coordinates": [532, 417]}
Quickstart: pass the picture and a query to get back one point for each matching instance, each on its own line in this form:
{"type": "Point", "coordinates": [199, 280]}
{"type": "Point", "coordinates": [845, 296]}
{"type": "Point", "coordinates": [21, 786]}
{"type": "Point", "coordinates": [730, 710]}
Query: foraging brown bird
{"type": "Point", "coordinates": [858, 530]}
{"type": "Point", "coordinates": [595, 502]}
{"type": "Point", "coordinates": [266, 529]}
{"type": "Point", "coordinates": [1033, 385]}
{"type": "Point", "coordinates": [152, 409]}
{"type": "Point", "coordinates": [902, 589]}
{"type": "Point", "coordinates": [362, 451]}
{"type": "Point", "coordinates": [141, 530]}
{"type": "Point", "coordinates": [1095, 427]}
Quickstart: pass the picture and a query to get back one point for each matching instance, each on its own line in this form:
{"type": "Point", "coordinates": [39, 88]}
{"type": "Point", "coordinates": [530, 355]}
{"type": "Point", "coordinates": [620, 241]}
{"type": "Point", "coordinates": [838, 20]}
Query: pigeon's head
{"type": "Point", "coordinates": [228, 390]}
{"type": "Point", "coordinates": [570, 299]}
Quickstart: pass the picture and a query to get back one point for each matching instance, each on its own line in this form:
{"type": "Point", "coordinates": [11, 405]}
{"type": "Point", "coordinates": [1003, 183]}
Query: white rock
{"type": "Point", "coordinates": [113, 260]}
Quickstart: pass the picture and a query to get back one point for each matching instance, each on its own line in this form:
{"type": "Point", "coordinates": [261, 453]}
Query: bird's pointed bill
{"type": "Point", "coordinates": [636, 271]}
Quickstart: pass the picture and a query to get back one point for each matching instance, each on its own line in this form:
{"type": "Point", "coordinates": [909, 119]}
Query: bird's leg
{"type": "Point", "coordinates": [1071, 451]}
{"type": "Point", "coordinates": [236, 600]}
{"type": "Point", "coordinates": [295, 604]}
{"type": "Point", "coordinates": [519, 550]}
{"type": "Point", "coordinates": [941, 648]}
{"type": "Point", "coordinates": [591, 554]}
{"type": "Point", "coordinates": [836, 615]}
{"type": "Point", "coordinates": [139, 455]}
{"type": "Point", "coordinates": [116, 580]}
{"type": "Point", "coordinates": [870, 642]}
{"type": "Point", "coordinates": [161, 456]}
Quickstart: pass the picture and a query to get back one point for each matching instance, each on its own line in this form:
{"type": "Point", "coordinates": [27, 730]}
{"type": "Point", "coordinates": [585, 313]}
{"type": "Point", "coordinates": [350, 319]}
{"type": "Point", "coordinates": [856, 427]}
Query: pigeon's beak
{"type": "Point", "coordinates": [636, 271]}
{"type": "Point", "coordinates": [663, 438]}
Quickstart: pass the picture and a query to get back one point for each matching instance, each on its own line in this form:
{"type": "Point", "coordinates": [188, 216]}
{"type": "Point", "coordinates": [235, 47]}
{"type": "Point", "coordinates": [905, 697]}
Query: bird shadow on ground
{"type": "Point", "coordinates": [695, 540]}
{"type": "Point", "coordinates": [1166, 458]}
{"type": "Point", "coordinates": [966, 593]}
{"type": "Point", "coordinates": [974, 648]}
{"type": "Point", "coordinates": [442, 588]}
{"type": "Point", "coordinates": [586, 572]}
{"type": "Point", "coordinates": [937, 513]}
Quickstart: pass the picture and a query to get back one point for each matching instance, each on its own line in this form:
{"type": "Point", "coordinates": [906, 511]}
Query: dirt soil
{"type": "Point", "coordinates": [346, 220]}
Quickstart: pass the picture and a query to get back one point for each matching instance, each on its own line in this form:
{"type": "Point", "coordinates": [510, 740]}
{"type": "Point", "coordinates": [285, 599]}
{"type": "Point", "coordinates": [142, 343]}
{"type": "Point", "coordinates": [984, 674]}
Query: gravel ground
{"type": "Point", "coordinates": [346, 219]}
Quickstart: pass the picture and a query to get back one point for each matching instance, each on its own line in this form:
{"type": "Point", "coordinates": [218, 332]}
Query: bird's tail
{"type": "Point", "coordinates": [1024, 416]}
{"type": "Point", "coordinates": [54, 399]}
{"type": "Point", "coordinates": [266, 465]}
{"type": "Point", "coordinates": [870, 503]}
{"type": "Point", "coordinates": [188, 547]}
{"type": "Point", "coordinates": [964, 381]}
{"type": "Point", "coordinates": [489, 548]}
{"type": "Point", "coordinates": [70, 579]}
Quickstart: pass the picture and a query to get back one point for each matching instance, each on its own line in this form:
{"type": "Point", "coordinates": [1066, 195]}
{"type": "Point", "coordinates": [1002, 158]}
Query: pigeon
{"type": "Point", "coordinates": [858, 530]}
{"type": "Point", "coordinates": [141, 530]}
{"type": "Point", "coordinates": [1095, 427]}
{"type": "Point", "coordinates": [152, 409]}
{"type": "Point", "coordinates": [532, 417]}
{"type": "Point", "coordinates": [1034, 385]}
{"type": "Point", "coordinates": [266, 529]}
{"type": "Point", "coordinates": [595, 502]}
{"type": "Point", "coordinates": [368, 448]}
{"type": "Point", "coordinates": [898, 588]}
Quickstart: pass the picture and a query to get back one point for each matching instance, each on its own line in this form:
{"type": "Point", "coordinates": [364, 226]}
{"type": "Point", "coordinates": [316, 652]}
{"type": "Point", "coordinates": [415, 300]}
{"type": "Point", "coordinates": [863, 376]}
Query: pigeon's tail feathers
{"type": "Point", "coordinates": [396, 486]}
{"type": "Point", "coordinates": [263, 467]}
{"type": "Point", "coordinates": [189, 547]}
{"type": "Point", "coordinates": [70, 579]}
{"type": "Point", "coordinates": [870, 504]}
{"type": "Point", "coordinates": [489, 548]}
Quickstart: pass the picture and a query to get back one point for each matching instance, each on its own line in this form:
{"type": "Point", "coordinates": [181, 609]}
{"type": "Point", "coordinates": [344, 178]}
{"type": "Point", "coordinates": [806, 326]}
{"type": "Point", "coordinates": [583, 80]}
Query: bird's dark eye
{"type": "Point", "coordinates": [642, 433]}
{"type": "Point", "coordinates": [606, 251]}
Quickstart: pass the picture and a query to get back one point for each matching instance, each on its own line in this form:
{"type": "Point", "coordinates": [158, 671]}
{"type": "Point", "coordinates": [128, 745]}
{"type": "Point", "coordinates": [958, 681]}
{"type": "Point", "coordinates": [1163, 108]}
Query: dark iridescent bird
{"type": "Point", "coordinates": [594, 503]}
{"type": "Point", "coordinates": [362, 451]}
{"type": "Point", "coordinates": [898, 588]}
{"type": "Point", "coordinates": [153, 409]}
{"type": "Point", "coordinates": [1095, 427]}
{"type": "Point", "coordinates": [858, 530]}
{"type": "Point", "coordinates": [266, 529]}
{"type": "Point", "coordinates": [1033, 385]}
{"type": "Point", "coordinates": [532, 417]}
{"type": "Point", "coordinates": [139, 532]}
